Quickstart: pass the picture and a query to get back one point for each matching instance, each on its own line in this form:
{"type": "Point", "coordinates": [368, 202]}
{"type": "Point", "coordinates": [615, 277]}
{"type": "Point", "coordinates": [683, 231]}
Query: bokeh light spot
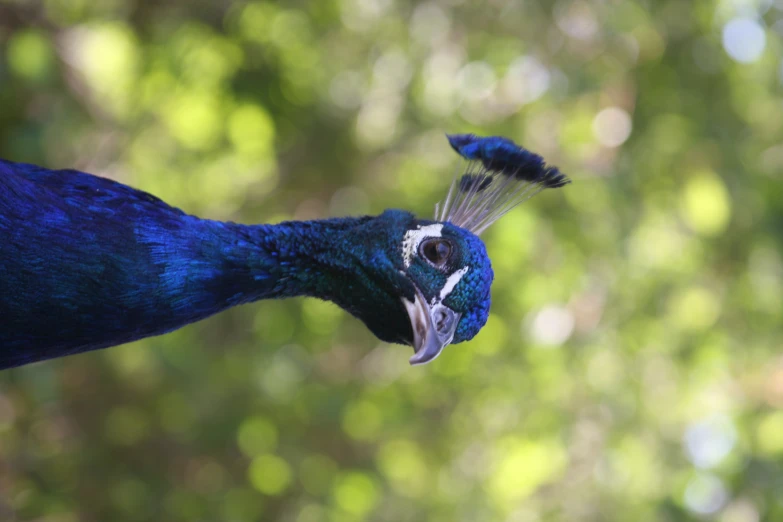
{"type": "Point", "coordinates": [709, 441]}
{"type": "Point", "coordinates": [195, 120]}
{"type": "Point", "coordinates": [705, 494]}
{"type": "Point", "coordinates": [257, 435]}
{"type": "Point", "coordinates": [694, 308]}
{"type": "Point", "coordinates": [476, 80]}
{"type": "Point", "coordinates": [741, 510]}
{"type": "Point", "coordinates": [356, 493]}
{"type": "Point", "coordinates": [744, 39]}
{"type": "Point", "coordinates": [705, 204]}
{"type": "Point", "coordinates": [362, 420]}
{"type": "Point", "coordinates": [523, 466]}
{"type": "Point", "coordinates": [30, 55]}
{"type": "Point", "coordinates": [612, 126]}
{"type": "Point", "coordinates": [769, 434]}
{"type": "Point", "coordinates": [526, 80]}
{"type": "Point", "coordinates": [269, 474]}
{"type": "Point", "coordinates": [403, 463]}
{"type": "Point", "coordinates": [108, 56]}
{"type": "Point", "coordinates": [576, 19]}
{"type": "Point", "coordinates": [552, 326]}
{"type": "Point", "coordinates": [252, 131]}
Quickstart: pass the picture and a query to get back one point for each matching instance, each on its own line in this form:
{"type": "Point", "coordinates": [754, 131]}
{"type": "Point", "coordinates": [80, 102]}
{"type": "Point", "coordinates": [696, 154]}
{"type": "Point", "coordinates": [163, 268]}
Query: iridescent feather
{"type": "Point", "coordinates": [499, 176]}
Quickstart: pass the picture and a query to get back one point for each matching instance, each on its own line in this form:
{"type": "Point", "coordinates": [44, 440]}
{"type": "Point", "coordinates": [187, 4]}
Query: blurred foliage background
{"type": "Point", "coordinates": [631, 368]}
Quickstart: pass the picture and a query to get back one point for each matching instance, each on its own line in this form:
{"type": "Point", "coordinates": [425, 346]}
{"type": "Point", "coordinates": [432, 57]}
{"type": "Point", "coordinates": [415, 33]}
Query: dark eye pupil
{"type": "Point", "coordinates": [436, 251]}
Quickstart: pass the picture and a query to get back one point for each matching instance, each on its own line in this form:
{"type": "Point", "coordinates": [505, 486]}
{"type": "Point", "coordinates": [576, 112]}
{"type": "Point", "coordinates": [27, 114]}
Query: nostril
{"type": "Point", "coordinates": [442, 320]}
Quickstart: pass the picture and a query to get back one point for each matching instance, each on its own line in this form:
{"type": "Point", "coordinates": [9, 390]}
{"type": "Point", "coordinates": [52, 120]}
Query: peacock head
{"type": "Point", "coordinates": [442, 273]}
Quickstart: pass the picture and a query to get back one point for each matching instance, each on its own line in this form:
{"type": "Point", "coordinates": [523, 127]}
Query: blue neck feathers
{"type": "Point", "coordinates": [91, 263]}
{"type": "Point", "coordinates": [128, 284]}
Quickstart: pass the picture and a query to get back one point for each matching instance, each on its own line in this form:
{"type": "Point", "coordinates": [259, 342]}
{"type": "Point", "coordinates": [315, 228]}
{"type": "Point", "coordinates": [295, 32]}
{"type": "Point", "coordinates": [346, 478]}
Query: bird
{"type": "Point", "coordinates": [88, 263]}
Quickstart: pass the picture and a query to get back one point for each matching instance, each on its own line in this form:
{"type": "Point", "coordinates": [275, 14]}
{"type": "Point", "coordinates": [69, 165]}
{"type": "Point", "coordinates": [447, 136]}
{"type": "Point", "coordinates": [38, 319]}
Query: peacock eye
{"type": "Point", "coordinates": [436, 251]}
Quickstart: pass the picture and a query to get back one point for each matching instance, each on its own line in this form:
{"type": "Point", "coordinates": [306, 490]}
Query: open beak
{"type": "Point", "coordinates": [433, 327]}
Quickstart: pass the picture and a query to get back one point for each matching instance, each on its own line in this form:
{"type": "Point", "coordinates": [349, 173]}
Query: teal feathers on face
{"type": "Point", "coordinates": [88, 263]}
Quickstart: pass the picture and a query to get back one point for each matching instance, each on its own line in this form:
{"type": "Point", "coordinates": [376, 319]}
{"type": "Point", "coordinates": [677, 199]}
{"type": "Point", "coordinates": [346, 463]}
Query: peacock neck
{"type": "Point", "coordinates": [153, 273]}
{"type": "Point", "coordinates": [299, 258]}
{"type": "Point", "coordinates": [348, 261]}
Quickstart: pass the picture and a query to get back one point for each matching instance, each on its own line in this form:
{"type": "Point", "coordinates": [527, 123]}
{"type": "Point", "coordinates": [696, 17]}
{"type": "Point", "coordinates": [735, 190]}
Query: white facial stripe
{"type": "Point", "coordinates": [413, 238]}
{"type": "Point", "coordinates": [452, 282]}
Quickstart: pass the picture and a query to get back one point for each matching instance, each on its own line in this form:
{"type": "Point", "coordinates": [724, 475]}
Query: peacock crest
{"type": "Point", "coordinates": [416, 282]}
{"type": "Point", "coordinates": [499, 176]}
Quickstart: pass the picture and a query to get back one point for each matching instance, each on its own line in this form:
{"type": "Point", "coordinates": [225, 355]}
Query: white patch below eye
{"type": "Point", "coordinates": [452, 282]}
{"type": "Point", "coordinates": [413, 238]}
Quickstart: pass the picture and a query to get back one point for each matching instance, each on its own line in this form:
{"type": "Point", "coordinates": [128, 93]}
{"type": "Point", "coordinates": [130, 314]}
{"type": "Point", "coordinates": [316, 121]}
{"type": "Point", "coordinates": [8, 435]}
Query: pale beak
{"type": "Point", "coordinates": [433, 327]}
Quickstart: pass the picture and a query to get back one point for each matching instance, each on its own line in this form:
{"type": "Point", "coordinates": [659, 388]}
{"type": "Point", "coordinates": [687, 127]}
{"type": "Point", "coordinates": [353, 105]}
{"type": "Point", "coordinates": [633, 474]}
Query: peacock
{"type": "Point", "coordinates": [87, 262]}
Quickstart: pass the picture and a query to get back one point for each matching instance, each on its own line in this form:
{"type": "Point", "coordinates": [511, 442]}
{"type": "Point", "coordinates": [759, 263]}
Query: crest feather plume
{"type": "Point", "coordinates": [500, 175]}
